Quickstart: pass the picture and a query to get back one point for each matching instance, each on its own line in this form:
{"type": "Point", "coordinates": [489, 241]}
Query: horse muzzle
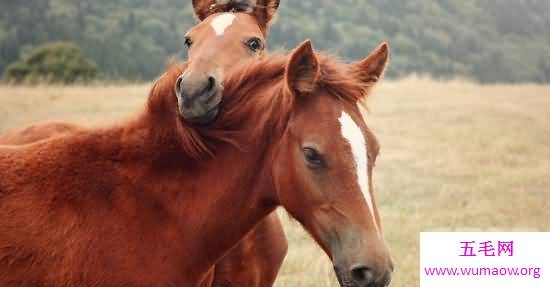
{"type": "Point", "coordinates": [360, 260]}
{"type": "Point", "coordinates": [362, 276]}
{"type": "Point", "coordinates": [199, 100]}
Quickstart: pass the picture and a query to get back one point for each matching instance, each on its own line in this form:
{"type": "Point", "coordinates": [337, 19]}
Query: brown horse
{"type": "Point", "coordinates": [229, 32]}
{"type": "Point", "coordinates": [255, 261]}
{"type": "Point", "coordinates": [129, 205]}
{"type": "Point", "coordinates": [221, 41]}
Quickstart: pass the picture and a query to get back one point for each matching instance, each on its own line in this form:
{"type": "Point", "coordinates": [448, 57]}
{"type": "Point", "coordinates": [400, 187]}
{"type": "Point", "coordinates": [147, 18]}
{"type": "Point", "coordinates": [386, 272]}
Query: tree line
{"type": "Point", "coordinates": [487, 41]}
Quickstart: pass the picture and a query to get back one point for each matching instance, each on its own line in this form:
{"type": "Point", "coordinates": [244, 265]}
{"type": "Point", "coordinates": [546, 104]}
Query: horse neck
{"type": "Point", "coordinates": [215, 201]}
{"type": "Point", "coordinates": [235, 189]}
{"type": "Point", "coordinates": [232, 198]}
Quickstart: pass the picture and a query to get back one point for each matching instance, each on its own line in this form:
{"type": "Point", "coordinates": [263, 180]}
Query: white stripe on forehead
{"type": "Point", "coordinates": [222, 22]}
{"type": "Point", "coordinates": [353, 135]}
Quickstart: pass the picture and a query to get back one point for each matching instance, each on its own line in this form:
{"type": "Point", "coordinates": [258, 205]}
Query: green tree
{"type": "Point", "coordinates": [58, 62]}
{"type": "Point", "coordinates": [489, 41]}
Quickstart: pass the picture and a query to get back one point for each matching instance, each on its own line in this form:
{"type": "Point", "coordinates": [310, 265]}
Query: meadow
{"type": "Point", "coordinates": [455, 156]}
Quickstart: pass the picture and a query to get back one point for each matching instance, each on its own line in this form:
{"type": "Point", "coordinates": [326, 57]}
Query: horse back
{"type": "Point", "coordinates": [53, 196]}
{"type": "Point", "coordinates": [36, 132]}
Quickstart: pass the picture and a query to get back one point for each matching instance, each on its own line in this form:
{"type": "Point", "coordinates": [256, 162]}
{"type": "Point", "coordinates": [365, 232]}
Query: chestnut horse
{"type": "Point", "coordinates": [256, 260]}
{"type": "Point", "coordinates": [128, 205]}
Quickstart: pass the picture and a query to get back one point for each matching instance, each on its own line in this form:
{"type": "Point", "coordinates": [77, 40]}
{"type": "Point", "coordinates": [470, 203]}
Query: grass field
{"type": "Point", "coordinates": [455, 156]}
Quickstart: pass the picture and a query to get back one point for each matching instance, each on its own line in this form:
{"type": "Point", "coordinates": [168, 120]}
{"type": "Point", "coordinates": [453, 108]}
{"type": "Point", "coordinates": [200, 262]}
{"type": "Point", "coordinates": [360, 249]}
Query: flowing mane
{"type": "Point", "coordinates": [245, 96]}
{"type": "Point", "coordinates": [243, 100]}
{"type": "Point", "coordinates": [161, 106]}
{"type": "Point", "coordinates": [243, 83]}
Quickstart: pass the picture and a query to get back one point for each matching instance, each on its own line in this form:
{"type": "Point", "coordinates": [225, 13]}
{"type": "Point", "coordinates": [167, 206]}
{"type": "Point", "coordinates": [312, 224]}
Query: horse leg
{"type": "Point", "coordinates": [271, 249]}
{"type": "Point", "coordinates": [256, 260]}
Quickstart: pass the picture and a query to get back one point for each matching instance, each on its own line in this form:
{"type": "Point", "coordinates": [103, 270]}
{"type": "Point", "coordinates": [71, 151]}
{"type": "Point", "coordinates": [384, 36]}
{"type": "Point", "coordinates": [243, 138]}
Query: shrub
{"type": "Point", "coordinates": [59, 62]}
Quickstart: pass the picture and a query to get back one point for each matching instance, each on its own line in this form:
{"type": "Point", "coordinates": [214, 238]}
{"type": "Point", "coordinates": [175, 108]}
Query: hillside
{"type": "Point", "coordinates": [489, 41]}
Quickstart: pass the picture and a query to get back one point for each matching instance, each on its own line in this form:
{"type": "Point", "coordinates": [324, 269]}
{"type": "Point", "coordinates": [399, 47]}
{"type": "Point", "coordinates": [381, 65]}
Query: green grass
{"type": "Point", "coordinates": [455, 156]}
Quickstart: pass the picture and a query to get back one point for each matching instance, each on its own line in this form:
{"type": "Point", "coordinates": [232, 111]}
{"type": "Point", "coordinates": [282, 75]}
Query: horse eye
{"type": "Point", "coordinates": [254, 44]}
{"type": "Point", "coordinates": [313, 158]}
{"type": "Point", "coordinates": [188, 42]}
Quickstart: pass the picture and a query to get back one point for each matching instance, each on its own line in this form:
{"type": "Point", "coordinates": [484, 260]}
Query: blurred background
{"type": "Point", "coordinates": [463, 116]}
{"type": "Point", "coordinates": [486, 41]}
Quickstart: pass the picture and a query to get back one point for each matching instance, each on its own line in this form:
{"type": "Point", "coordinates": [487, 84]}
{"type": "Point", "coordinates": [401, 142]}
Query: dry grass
{"type": "Point", "coordinates": [455, 156]}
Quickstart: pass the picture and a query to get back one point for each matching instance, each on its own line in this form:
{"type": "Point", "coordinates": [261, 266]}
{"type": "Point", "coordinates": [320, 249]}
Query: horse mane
{"type": "Point", "coordinates": [161, 109]}
{"type": "Point", "coordinates": [232, 6]}
{"type": "Point", "coordinates": [256, 90]}
{"type": "Point", "coordinates": [239, 6]}
{"type": "Point", "coordinates": [253, 92]}
{"type": "Point", "coordinates": [241, 85]}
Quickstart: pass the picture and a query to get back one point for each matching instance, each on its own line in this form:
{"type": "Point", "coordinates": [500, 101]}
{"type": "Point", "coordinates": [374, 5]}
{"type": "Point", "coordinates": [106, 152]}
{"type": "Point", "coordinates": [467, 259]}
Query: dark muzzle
{"type": "Point", "coordinates": [199, 99]}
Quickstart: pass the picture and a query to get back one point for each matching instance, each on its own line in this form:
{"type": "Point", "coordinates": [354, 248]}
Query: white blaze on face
{"type": "Point", "coordinates": [222, 22]}
{"type": "Point", "coordinates": [353, 135]}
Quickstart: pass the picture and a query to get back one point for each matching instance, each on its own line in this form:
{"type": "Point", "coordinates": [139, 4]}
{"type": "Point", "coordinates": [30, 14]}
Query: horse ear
{"type": "Point", "coordinates": [371, 69]}
{"type": "Point", "coordinates": [302, 70]}
{"type": "Point", "coordinates": [265, 11]}
{"type": "Point", "coordinates": [203, 8]}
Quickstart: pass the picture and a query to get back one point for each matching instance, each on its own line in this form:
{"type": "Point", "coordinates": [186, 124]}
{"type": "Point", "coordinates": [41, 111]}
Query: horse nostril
{"type": "Point", "coordinates": [211, 84]}
{"type": "Point", "coordinates": [362, 275]}
{"type": "Point", "coordinates": [386, 280]}
{"type": "Point", "coordinates": [178, 84]}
